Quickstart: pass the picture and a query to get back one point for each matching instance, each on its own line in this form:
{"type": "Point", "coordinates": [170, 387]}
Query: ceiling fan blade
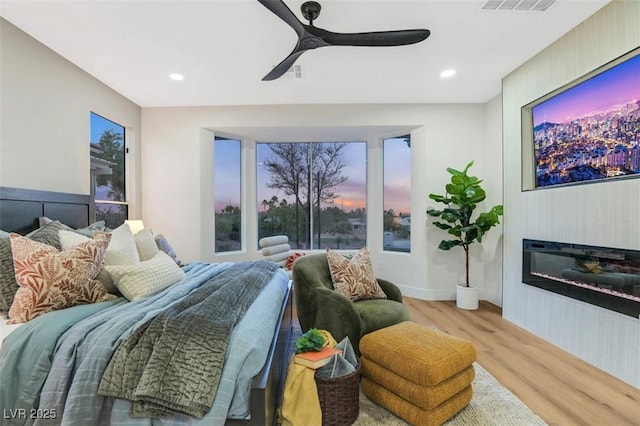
{"type": "Point", "coordinates": [283, 66]}
{"type": "Point", "coordinates": [378, 38]}
{"type": "Point", "coordinates": [283, 12]}
{"type": "Point", "coordinates": [310, 37]}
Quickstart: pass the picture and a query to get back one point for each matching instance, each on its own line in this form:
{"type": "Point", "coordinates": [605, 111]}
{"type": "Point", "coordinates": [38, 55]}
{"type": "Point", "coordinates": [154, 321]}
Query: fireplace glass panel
{"type": "Point", "coordinates": [603, 276]}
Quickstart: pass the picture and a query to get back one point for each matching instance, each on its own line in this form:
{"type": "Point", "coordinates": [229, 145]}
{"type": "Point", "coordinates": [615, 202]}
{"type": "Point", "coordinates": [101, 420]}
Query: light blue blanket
{"type": "Point", "coordinates": [26, 356]}
{"type": "Point", "coordinates": [173, 363]}
{"type": "Point", "coordinates": [83, 351]}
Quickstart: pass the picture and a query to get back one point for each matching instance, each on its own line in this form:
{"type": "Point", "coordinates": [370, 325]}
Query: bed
{"type": "Point", "coordinates": [87, 340]}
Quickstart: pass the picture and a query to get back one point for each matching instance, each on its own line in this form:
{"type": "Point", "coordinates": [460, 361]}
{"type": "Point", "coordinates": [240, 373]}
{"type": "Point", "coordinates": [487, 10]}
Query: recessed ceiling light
{"type": "Point", "coordinates": [176, 77]}
{"type": "Point", "coordinates": [447, 73]}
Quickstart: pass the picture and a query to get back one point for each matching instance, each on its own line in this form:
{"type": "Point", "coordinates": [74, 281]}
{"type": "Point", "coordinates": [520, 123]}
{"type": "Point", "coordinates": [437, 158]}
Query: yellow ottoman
{"type": "Point", "coordinates": [422, 375]}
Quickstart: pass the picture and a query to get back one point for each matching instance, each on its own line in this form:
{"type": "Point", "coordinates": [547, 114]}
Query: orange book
{"type": "Point", "coordinates": [316, 359]}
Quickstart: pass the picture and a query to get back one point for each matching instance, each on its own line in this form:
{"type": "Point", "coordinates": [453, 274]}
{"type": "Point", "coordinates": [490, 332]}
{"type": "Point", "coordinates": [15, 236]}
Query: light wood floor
{"type": "Point", "coordinates": [557, 386]}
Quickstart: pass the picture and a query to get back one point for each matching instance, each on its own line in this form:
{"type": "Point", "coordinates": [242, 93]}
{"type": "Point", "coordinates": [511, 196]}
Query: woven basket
{"type": "Point", "coordinates": [339, 398]}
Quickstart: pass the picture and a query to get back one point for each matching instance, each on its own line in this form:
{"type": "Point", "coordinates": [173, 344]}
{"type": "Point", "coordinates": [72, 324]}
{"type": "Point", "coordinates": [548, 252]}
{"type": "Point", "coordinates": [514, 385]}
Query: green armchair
{"type": "Point", "coordinates": [319, 306]}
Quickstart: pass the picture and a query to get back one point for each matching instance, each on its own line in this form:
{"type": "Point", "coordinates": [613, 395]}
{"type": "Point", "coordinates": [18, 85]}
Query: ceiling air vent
{"type": "Point", "coordinates": [538, 5]}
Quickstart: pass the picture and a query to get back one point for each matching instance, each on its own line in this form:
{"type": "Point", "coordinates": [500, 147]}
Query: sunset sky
{"type": "Point", "coordinates": [618, 85]}
{"type": "Point", "coordinates": [352, 193]}
{"type": "Point", "coordinates": [397, 176]}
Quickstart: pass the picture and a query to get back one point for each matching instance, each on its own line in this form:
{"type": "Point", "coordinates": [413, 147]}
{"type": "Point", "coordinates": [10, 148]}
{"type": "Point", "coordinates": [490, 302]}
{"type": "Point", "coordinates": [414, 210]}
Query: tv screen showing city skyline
{"type": "Point", "coordinates": [590, 131]}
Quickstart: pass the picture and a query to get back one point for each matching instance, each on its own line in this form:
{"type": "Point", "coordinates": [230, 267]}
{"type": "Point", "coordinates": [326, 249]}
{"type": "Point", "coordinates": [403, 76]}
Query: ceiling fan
{"type": "Point", "coordinates": [310, 37]}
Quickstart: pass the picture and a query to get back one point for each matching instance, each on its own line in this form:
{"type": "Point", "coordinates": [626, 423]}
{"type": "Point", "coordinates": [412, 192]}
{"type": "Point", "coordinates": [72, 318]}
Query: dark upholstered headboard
{"type": "Point", "coordinates": [21, 208]}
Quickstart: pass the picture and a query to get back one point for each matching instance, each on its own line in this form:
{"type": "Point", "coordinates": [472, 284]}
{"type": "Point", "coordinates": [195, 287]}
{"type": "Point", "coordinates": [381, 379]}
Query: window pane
{"type": "Point", "coordinates": [107, 170]}
{"type": "Point", "coordinates": [313, 192]}
{"type": "Point", "coordinates": [107, 159]}
{"type": "Point", "coordinates": [227, 190]}
{"type": "Point", "coordinates": [340, 173]}
{"type": "Point", "coordinates": [113, 215]}
{"type": "Point", "coordinates": [282, 175]}
{"type": "Point", "coordinates": [397, 194]}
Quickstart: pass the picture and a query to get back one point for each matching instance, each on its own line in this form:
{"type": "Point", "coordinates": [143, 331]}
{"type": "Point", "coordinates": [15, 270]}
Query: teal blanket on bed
{"type": "Point", "coordinates": [24, 370]}
{"type": "Point", "coordinates": [173, 363]}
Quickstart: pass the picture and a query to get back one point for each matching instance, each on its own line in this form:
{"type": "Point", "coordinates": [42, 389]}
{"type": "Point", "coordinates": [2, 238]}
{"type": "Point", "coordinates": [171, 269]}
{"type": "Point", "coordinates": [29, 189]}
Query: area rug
{"type": "Point", "coordinates": [492, 405]}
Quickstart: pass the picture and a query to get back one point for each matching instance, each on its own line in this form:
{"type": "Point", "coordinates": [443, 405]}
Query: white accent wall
{"type": "Point", "coordinates": [601, 214]}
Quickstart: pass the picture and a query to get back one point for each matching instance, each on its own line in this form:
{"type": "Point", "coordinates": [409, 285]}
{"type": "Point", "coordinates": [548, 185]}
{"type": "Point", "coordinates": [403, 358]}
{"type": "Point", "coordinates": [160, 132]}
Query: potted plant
{"type": "Point", "coordinates": [463, 193]}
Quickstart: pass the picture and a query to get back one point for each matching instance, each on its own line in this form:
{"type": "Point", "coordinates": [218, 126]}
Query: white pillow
{"type": "Point", "coordinates": [147, 277]}
{"type": "Point", "coordinates": [70, 239]}
{"type": "Point", "coordinates": [122, 250]}
{"type": "Point", "coordinates": [146, 244]}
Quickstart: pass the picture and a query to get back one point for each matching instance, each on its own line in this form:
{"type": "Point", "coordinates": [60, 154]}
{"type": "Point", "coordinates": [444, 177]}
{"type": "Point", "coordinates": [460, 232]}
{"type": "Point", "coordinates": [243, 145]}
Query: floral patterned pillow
{"type": "Point", "coordinates": [354, 278]}
{"type": "Point", "coordinates": [50, 279]}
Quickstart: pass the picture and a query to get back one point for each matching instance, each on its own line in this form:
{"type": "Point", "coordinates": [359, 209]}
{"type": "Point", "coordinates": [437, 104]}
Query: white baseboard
{"type": "Point", "coordinates": [426, 294]}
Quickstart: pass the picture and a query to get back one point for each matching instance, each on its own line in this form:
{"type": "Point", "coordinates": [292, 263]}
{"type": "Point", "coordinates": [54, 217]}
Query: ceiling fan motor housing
{"type": "Point", "coordinates": [310, 10]}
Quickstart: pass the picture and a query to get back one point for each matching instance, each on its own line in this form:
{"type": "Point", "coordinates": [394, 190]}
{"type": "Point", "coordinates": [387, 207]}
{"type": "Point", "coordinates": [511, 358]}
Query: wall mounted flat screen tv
{"type": "Point", "coordinates": [588, 130]}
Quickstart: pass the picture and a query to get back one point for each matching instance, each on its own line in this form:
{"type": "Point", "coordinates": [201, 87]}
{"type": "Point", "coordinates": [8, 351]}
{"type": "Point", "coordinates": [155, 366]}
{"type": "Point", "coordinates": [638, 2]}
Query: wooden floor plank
{"type": "Point", "coordinates": [559, 387]}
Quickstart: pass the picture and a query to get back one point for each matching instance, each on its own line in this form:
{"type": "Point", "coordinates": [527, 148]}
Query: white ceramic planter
{"type": "Point", "coordinates": [467, 297]}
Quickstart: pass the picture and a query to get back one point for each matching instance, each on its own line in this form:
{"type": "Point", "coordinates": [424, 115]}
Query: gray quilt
{"type": "Point", "coordinates": [173, 363]}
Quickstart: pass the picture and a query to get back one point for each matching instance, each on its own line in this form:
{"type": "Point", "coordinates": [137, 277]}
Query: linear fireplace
{"type": "Point", "coordinates": [603, 276]}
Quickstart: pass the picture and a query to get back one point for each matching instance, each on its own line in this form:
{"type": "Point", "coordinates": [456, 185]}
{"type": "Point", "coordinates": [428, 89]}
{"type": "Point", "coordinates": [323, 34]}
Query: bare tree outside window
{"type": "Point", "coordinates": [305, 186]}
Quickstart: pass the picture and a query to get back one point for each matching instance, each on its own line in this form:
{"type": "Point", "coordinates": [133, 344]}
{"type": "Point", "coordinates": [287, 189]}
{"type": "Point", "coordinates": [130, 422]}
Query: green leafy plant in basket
{"type": "Point", "coordinates": [312, 340]}
{"type": "Point", "coordinates": [462, 196]}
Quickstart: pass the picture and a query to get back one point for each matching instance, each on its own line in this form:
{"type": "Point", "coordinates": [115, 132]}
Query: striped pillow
{"type": "Point", "coordinates": [145, 278]}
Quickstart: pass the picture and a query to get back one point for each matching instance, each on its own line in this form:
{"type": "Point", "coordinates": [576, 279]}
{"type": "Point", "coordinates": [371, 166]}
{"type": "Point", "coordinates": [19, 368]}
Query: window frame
{"type": "Point", "coordinates": [251, 198]}
{"type": "Point", "coordinates": [386, 247]}
{"type": "Point", "coordinates": [241, 231]}
{"type": "Point", "coordinates": [122, 204]}
{"type": "Point", "coordinates": [313, 244]}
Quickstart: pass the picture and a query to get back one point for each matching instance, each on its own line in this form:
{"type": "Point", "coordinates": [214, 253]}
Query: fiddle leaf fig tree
{"type": "Point", "coordinates": [463, 193]}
